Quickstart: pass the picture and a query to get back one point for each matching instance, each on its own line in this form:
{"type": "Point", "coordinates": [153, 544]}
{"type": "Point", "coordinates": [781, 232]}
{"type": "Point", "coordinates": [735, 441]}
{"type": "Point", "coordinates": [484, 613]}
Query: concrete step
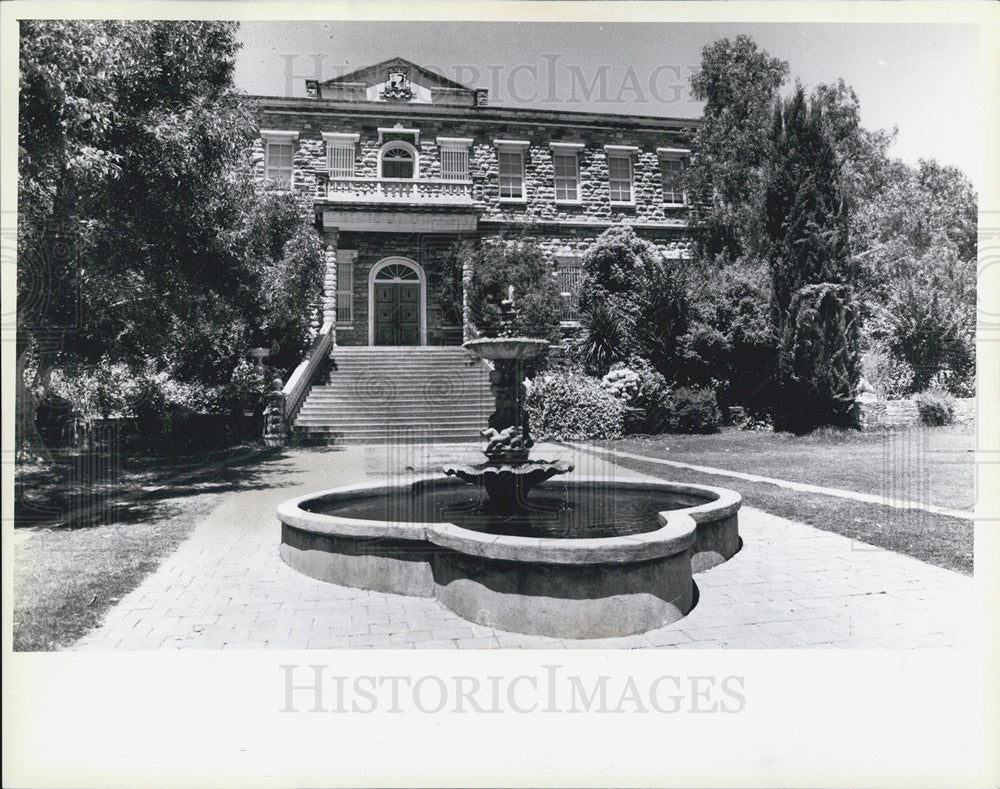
{"type": "Point", "coordinates": [397, 394]}
{"type": "Point", "coordinates": [432, 398]}
{"type": "Point", "coordinates": [417, 409]}
{"type": "Point", "coordinates": [431, 373]}
{"type": "Point", "coordinates": [343, 418]}
{"type": "Point", "coordinates": [339, 437]}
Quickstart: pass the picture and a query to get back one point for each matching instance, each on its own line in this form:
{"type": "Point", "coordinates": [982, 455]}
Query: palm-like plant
{"type": "Point", "coordinates": [603, 343]}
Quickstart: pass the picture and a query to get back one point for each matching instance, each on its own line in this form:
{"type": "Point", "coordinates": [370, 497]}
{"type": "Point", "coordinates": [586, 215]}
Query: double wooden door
{"type": "Point", "coordinates": [397, 313]}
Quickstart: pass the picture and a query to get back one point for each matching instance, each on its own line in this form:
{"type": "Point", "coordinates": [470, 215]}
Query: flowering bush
{"type": "Point", "coordinates": [623, 383]}
{"type": "Point", "coordinates": [644, 393]}
{"type": "Point", "coordinates": [573, 406]}
{"type": "Point", "coordinates": [246, 391]}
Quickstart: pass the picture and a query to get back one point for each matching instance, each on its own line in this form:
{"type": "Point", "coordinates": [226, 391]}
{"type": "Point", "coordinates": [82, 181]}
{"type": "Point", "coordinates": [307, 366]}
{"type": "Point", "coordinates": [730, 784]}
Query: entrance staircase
{"type": "Point", "coordinates": [399, 395]}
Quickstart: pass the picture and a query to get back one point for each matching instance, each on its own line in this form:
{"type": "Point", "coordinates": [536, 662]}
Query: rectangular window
{"type": "Point", "coordinates": [673, 180]}
{"type": "Point", "coordinates": [567, 177]}
{"type": "Point", "coordinates": [455, 164]}
{"type": "Point", "coordinates": [345, 285]}
{"type": "Point", "coordinates": [340, 160]}
{"type": "Point", "coordinates": [278, 158]}
{"type": "Point", "coordinates": [511, 174]}
{"type": "Point", "coordinates": [569, 276]}
{"type": "Point", "coordinates": [620, 177]}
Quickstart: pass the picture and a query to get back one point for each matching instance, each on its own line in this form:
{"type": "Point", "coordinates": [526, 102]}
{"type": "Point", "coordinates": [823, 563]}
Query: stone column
{"type": "Point", "coordinates": [330, 238]}
{"type": "Point", "coordinates": [466, 278]}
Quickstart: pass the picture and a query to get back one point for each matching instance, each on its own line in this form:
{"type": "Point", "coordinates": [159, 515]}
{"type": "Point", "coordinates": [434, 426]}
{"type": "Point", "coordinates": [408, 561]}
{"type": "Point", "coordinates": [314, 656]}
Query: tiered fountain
{"type": "Point", "coordinates": [508, 475]}
{"type": "Point", "coordinates": [584, 557]}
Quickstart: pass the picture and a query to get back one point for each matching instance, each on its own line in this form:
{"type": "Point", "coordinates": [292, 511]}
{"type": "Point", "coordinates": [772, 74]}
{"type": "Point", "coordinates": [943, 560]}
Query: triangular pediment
{"type": "Point", "coordinates": [397, 80]}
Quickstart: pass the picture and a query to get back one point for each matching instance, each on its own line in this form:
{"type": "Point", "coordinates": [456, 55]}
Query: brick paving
{"type": "Point", "coordinates": [790, 586]}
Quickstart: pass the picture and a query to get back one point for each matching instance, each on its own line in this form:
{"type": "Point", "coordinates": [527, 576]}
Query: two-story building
{"type": "Point", "coordinates": [399, 163]}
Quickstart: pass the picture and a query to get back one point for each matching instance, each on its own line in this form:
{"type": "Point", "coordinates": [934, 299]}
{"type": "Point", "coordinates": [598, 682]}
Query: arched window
{"type": "Point", "coordinates": [398, 160]}
{"type": "Point", "coordinates": [397, 272]}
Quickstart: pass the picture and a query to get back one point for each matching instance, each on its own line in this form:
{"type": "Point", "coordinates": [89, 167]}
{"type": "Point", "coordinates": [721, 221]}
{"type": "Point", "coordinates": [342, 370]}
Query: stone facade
{"type": "Point", "coordinates": [418, 220]}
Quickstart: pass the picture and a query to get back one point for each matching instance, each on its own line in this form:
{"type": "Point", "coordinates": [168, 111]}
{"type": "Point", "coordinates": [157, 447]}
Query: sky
{"type": "Point", "coordinates": [922, 79]}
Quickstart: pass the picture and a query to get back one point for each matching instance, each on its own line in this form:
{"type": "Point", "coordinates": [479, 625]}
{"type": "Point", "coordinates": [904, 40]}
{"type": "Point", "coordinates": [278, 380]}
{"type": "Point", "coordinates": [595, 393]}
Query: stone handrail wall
{"type": "Point", "coordinates": [284, 404]}
{"type": "Point", "coordinates": [298, 383]}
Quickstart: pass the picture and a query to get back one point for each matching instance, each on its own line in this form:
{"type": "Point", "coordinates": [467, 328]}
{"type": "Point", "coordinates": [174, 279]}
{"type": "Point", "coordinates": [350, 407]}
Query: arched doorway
{"type": "Point", "coordinates": [397, 298]}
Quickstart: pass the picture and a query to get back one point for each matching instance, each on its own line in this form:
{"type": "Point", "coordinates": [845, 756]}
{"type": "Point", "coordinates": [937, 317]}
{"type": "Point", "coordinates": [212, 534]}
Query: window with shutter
{"type": "Point", "coordinates": [340, 160]}
{"type": "Point", "coordinates": [455, 164]}
{"type": "Point", "coordinates": [345, 285]}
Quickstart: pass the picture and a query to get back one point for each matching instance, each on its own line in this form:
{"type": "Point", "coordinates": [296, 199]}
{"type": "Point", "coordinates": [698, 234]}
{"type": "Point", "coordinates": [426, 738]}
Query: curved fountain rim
{"type": "Point", "coordinates": [497, 340]}
{"type": "Point", "coordinates": [676, 532]}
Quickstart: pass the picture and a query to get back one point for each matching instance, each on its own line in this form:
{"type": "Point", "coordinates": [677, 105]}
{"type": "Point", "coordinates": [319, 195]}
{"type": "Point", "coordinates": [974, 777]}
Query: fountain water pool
{"type": "Point", "coordinates": [585, 558]}
{"type": "Point", "coordinates": [586, 587]}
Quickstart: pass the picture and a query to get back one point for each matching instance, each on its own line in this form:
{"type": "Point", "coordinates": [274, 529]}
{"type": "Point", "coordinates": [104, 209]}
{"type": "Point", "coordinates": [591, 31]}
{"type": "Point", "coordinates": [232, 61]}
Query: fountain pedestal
{"type": "Point", "coordinates": [508, 475]}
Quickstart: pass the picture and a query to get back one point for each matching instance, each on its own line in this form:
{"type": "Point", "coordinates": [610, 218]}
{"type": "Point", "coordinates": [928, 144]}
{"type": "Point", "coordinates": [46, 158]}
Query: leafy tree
{"type": "Point", "coordinates": [731, 344]}
{"type": "Point", "coordinates": [495, 266]}
{"type": "Point", "coordinates": [933, 319]}
{"type": "Point", "coordinates": [286, 261]}
{"type": "Point", "coordinates": [739, 84]}
{"type": "Point", "coordinates": [806, 222]}
{"type": "Point", "coordinates": [818, 360]}
{"type": "Point", "coordinates": [805, 210]}
{"type": "Point", "coordinates": [628, 283]}
{"type": "Point", "coordinates": [134, 192]}
{"type": "Point", "coordinates": [917, 259]}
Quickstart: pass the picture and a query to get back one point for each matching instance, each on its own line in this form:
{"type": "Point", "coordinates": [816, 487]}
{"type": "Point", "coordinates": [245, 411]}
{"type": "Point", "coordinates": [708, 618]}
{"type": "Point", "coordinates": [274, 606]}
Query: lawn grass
{"type": "Point", "coordinates": [852, 462]}
{"type": "Point", "coordinates": [65, 580]}
{"type": "Point", "coordinates": [91, 526]}
{"type": "Point", "coordinates": [925, 465]}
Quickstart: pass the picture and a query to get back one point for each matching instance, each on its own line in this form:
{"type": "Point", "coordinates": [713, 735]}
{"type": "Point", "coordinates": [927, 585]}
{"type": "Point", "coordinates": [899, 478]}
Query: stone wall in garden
{"type": "Point", "coordinates": [900, 413]}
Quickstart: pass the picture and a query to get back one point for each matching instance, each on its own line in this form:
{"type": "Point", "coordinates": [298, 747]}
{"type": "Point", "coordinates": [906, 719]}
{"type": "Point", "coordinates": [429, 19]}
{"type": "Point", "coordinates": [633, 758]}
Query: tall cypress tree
{"type": "Point", "coordinates": [806, 217]}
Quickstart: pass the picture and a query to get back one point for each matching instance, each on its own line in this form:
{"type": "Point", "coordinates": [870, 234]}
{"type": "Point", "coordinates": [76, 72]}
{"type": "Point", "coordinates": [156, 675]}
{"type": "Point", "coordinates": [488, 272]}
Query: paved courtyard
{"type": "Point", "coordinates": [790, 586]}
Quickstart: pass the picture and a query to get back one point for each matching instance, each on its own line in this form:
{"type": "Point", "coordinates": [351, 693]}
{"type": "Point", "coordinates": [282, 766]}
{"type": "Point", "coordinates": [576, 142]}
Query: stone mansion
{"type": "Point", "coordinates": [400, 162]}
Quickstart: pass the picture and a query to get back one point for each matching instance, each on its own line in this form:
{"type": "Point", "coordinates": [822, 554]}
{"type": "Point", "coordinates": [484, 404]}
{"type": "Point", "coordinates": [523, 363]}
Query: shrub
{"type": "Point", "coordinates": [117, 390]}
{"type": "Point", "coordinates": [571, 406]}
{"type": "Point", "coordinates": [818, 363]}
{"type": "Point", "coordinates": [246, 391]}
{"type": "Point", "coordinates": [936, 407]}
{"type": "Point", "coordinates": [889, 376]}
{"type": "Point", "coordinates": [53, 417]}
{"type": "Point", "coordinates": [623, 383]}
{"type": "Point", "coordinates": [105, 389]}
{"type": "Point", "coordinates": [694, 410]}
{"type": "Point", "coordinates": [645, 394]}
{"type": "Point", "coordinates": [603, 340]}
{"type": "Point", "coordinates": [646, 294]}
{"type": "Point", "coordinates": [731, 338]}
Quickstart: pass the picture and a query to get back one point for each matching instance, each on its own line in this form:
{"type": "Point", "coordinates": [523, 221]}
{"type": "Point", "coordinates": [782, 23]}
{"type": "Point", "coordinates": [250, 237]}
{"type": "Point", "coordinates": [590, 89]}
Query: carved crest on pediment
{"type": "Point", "coordinates": [397, 87]}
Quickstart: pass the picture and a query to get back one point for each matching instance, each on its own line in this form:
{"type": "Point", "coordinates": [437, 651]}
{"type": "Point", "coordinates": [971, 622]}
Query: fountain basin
{"type": "Point", "coordinates": [506, 347]}
{"type": "Point", "coordinates": [591, 587]}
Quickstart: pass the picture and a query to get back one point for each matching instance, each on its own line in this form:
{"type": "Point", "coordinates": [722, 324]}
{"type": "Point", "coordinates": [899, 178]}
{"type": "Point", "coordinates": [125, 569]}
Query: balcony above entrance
{"type": "Point", "coordinates": [397, 191]}
{"type": "Point", "coordinates": [422, 205]}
